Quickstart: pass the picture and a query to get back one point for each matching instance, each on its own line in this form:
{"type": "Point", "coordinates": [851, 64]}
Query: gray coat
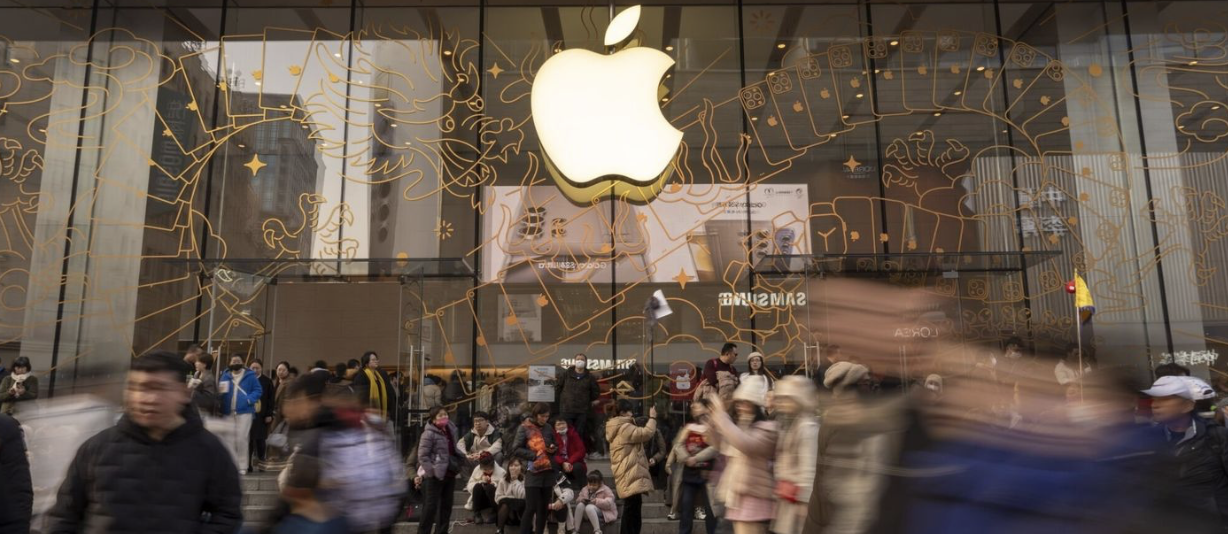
{"type": "Point", "coordinates": [435, 456]}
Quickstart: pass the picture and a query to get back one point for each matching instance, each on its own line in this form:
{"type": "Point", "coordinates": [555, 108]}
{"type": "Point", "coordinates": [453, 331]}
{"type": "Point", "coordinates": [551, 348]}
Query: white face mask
{"type": "Point", "coordinates": [580, 364]}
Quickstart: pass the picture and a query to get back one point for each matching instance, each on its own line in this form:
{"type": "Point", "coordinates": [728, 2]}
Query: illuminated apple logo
{"type": "Point", "coordinates": [597, 117]}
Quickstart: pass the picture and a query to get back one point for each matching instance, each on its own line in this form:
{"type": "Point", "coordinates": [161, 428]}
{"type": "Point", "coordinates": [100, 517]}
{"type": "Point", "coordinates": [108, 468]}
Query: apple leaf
{"type": "Point", "coordinates": [622, 26]}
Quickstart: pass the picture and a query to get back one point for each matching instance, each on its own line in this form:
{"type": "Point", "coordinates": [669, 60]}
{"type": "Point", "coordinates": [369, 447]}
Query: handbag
{"type": "Point", "coordinates": [278, 438]}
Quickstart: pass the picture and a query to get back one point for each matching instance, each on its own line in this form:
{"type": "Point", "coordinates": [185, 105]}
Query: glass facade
{"type": "Point", "coordinates": [308, 180]}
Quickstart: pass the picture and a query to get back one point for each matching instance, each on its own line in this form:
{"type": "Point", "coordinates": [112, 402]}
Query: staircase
{"type": "Point", "coordinates": [260, 499]}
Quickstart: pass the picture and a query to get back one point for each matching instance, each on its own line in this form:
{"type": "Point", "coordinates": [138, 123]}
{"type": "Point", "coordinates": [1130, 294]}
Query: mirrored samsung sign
{"type": "Point", "coordinates": [747, 299]}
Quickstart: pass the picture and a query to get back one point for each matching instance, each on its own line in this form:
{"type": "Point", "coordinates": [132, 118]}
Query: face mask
{"type": "Point", "coordinates": [236, 367]}
{"type": "Point", "coordinates": [580, 364]}
{"type": "Point", "coordinates": [441, 422]}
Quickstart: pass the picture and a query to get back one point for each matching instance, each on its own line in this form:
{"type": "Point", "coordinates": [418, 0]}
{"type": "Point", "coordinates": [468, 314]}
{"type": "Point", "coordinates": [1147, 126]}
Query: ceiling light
{"type": "Point", "coordinates": [780, 46]}
{"type": "Point", "coordinates": [1003, 131]}
{"type": "Point", "coordinates": [669, 48]}
{"type": "Point", "coordinates": [844, 117]}
{"type": "Point", "coordinates": [44, 130]}
{"type": "Point", "coordinates": [1215, 107]}
{"type": "Point", "coordinates": [14, 60]}
{"type": "Point", "coordinates": [257, 84]}
{"type": "Point", "coordinates": [668, 76]}
{"type": "Point", "coordinates": [665, 99]}
{"type": "Point", "coordinates": [241, 145]}
{"type": "Point", "coordinates": [894, 43]}
{"type": "Point", "coordinates": [876, 71]}
{"type": "Point", "coordinates": [979, 69]}
{"type": "Point", "coordinates": [407, 143]}
{"type": "Point", "coordinates": [378, 105]}
{"type": "Point", "coordinates": [937, 113]}
{"type": "Point", "coordinates": [447, 52]}
{"type": "Point", "coordinates": [338, 54]}
{"type": "Point", "coordinates": [304, 126]}
{"type": "Point", "coordinates": [754, 118]}
{"type": "Point", "coordinates": [394, 125]}
{"type": "Point", "coordinates": [957, 93]}
{"type": "Point", "coordinates": [833, 136]}
{"type": "Point", "coordinates": [859, 95]}
{"type": "Point", "coordinates": [1192, 63]}
{"type": "Point", "coordinates": [283, 106]}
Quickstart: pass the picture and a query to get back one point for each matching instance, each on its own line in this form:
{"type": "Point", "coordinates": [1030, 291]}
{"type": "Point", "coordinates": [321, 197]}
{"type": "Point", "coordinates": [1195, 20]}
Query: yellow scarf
{"type": "Point", "coordinates": [378, 394]}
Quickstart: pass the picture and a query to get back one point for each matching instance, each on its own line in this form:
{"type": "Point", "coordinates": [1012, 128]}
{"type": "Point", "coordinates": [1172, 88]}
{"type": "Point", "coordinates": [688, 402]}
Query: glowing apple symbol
{"type": "Point", "coordinates": [598, 117]}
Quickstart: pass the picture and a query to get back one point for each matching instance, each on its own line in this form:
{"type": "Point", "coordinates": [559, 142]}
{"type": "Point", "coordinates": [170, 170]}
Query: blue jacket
{"type": "Point", "coordinates": [249, 392]}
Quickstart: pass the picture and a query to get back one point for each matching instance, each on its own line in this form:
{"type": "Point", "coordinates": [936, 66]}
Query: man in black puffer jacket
{"type": "Point", "coordinates": [578, 392]}
{"type": "Point", "coordinates": [16, 492]}
{"type": "Point", "coordinates": [157, 470]}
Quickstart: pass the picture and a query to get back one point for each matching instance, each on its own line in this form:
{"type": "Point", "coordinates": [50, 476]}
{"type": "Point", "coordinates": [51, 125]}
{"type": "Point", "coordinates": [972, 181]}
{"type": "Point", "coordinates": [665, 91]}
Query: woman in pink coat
{"type": "Point", "coordinates": [595, 502]}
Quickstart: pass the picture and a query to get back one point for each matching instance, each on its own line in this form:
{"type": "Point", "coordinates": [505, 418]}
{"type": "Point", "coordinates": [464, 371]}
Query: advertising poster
{"type": "Point", "coordinates": [541, 383]}
{"type": "Point", "coordinates": [537, 235]}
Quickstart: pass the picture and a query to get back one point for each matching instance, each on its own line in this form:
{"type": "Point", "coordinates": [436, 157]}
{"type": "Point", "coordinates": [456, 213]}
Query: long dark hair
{"type": "Point", "coordinates": [276, 379]}
{"type": "Point", "coordinates": [507, 473]}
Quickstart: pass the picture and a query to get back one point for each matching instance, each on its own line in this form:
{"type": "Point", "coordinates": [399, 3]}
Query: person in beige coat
{"type": "Point", "coordinates": [749, 445]}
{"type": "Point", "coordinates": [629, 463]}
{"type": "Point", "coordinates": [797, 452]}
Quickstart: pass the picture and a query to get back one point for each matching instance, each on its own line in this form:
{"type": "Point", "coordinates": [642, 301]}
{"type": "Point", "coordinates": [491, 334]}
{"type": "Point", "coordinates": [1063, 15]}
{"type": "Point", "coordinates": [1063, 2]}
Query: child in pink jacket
{"type": "Point", "coordinates": [595, 502]}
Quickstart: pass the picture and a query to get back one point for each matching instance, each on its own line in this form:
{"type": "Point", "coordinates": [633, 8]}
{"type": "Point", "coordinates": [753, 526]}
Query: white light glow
{"type": "Point", "coordinates": [599, 115]}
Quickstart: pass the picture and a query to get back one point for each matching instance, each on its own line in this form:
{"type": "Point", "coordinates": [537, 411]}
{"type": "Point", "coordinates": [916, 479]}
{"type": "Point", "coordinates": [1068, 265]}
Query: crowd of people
{"type": "Point", "coordinates": [1010, 441]}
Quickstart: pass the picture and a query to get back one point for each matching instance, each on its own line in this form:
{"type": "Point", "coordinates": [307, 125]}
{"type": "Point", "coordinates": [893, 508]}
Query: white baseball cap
{"type": "Point", "coordinates": [1186, 387]}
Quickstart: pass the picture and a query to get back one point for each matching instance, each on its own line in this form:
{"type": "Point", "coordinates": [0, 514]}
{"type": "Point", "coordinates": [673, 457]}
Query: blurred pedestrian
{"type": "Point", "coordinates": [483, 438]}
{"type": "Point", "coordinates": [18, 387]}
{"type": "Point", "coordinates": [240, 394]}
{"type": "Point", "coordinates": [797, 452]}
{"type": "Point", "coordinates": [307, 514]}
{"type": "Point", "coordinates": [535, 445]}
{"type": "Point", "coordinates": [361, 468]}
{"type": "Point", "coordinates": [578, 392]}
{"type": "Point", "coordinates": [373, 388]}
{"type": "Point", "coordinates": [16, 492]}
{"type": "Point", "coordinates": [509, 495]}
{"type": "Point", "coordinates": [441, 462]}
{"type": "Point", "coordinates": [481, 488]}
{"type": "Point", "coordinates": [262, 419]}
{"type": "Point", "coordinates": [595, 503]}
{"type": "Point", "coordinates": [157, 470]}
{"type": "Point", "coordinates": [748, 441]}
{"type": "Point", "coordinates": [432, 394]}
{"type": "Point", "coordinates": [755, 366]}
{"type": "Point", "coordinates": [696, 458]}
{"type": "Point", "coordinates": [571, 452]}
{"type": "Point", "coordinates": [1200, 446]}
{"type": "Point", "coordinates": [281, 383]}
{"type": "Point", "coordinates": [629, 462]}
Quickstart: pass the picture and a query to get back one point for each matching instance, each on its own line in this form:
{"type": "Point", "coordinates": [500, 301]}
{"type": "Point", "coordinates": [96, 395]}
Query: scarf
{"type": "Point", "coordinates": [452, 452]}
{"type": "Point", "coordinates": [537, 444]}
{"type": "Point", "coordinates": [378, 393]}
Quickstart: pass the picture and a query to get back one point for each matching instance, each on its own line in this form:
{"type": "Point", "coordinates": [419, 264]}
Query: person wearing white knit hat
{"type": "Point", "coordinates": [842, 376]}
{"type": "Point", "coordinates": [749, 445]}
{"type": "Point", "coordinates": [797, 452]}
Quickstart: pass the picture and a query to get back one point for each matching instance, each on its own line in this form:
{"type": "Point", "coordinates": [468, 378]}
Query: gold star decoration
{"type": "Point", "coordinates": [883, 237]}
{"type": "Point", "coordinates": [255, 164]}
{"type": "Point", "coordinates": [542, 300]}
{"type": "Point", "coordinates": [495, 71]}
{"type": "Point", "coordinates": [191, 106]}
{"type": "Point", "coordinates": [888, 75]}
{"type": "Point", "coordinates": [1053, 238]}
{"type": "Point", "coordinates": [852, 163]}
{"type": "Point", "coordinates": [444, 230]}
{"type": "Point", "coordinates": [295, 70]}
{"type": "Point", "coordinates": [854, 235]}
{"type": "Point", "coordinates": [167, 133]}
{"type": "Point", "coordinates": [223, 86]}
{"type": "Point", "coordinates": [257, 75]}
{"type": "Point", "coordinates": [682, 278]}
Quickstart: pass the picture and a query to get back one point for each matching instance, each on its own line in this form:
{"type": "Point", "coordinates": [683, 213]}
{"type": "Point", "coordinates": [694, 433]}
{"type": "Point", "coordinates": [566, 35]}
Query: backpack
{"type": "Point", "coordinates": [362, 476]}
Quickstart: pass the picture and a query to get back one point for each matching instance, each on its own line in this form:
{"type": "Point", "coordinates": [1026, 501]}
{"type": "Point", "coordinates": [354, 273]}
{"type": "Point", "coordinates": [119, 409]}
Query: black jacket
{"type": "Point", "coordinates": [520, 449]}
{"type": "Point", "coordinates": [362, 389]}
{"type": "Point", "coordinates": [577, 393]}
{"type": "Point", "coordinates": [123, 481]}
{"type": "Point", "coordinates": [267, 393]}
{"type": "Point", "coordinates": [1202, 467]}
{"type": "Point", "coordinates": [16, 491]}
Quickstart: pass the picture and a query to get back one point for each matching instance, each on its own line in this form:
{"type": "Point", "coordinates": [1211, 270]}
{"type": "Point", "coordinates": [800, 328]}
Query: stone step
{"type": "Point", "coordinates": [260, 498]}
